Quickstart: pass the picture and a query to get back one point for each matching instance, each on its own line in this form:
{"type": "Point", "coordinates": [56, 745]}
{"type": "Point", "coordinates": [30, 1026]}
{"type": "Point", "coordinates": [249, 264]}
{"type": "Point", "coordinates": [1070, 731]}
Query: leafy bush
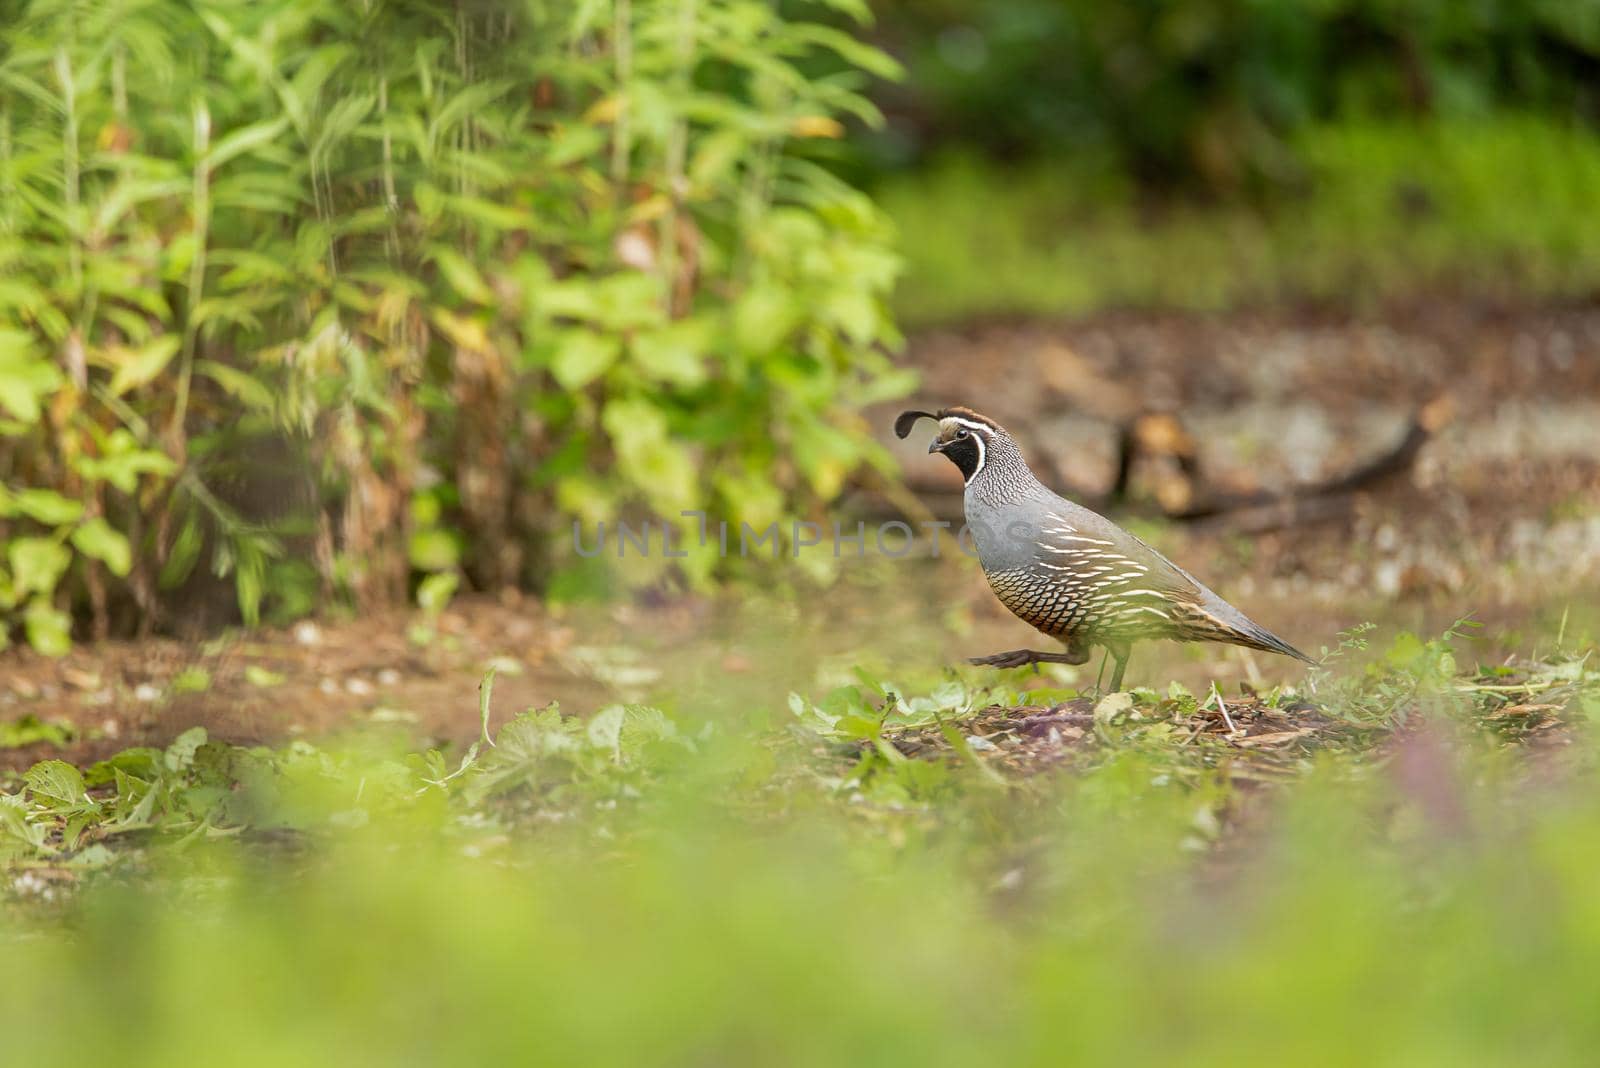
{"type": "Point", "coordinates": [324, 295]}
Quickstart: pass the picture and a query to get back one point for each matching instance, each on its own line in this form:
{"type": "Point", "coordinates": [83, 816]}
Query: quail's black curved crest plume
{"type": "Point", "coordinates": [906, 420]}
{"type": "Point", "coordinates": [1073, 574]}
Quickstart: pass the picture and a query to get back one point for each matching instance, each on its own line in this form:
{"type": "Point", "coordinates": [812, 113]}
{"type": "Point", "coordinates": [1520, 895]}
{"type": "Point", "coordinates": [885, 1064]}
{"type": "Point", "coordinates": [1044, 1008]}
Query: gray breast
{"type": "Point", "coordinates": [1006, 534]}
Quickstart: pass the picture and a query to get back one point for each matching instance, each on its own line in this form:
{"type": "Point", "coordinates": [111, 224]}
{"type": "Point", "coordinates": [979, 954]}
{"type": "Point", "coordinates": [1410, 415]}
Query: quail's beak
{"type": "Point", "coordinates": [935, 446]}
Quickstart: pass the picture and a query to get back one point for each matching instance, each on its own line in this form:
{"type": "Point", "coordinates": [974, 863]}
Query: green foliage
{"type": "Point", "coordinates": [1390, 211]}
{"type": "Point", "coordinates": [31, 730]}
{"type": "Point", "coordinates": [401, 288]}
{"type": "Point", "coordinates": [744, 892]}
{"type": "Point", "coordinates": [1216, 92]}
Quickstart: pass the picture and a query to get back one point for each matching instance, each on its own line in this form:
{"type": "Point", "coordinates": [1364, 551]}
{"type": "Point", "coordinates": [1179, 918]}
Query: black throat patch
{"type": "Point", "coordinates": [967, 454]}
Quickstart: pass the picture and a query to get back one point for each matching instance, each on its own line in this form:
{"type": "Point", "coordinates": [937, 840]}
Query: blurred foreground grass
{"type": "Point", "coordinates": [1414, 884]}
{"type": "Point", "coordinates": [1498, 208]}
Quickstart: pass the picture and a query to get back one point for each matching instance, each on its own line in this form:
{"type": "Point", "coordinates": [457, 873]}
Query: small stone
{"type": "Point", "coordinates": [1386, 577]}
{"type": "Point", "coordinates": [146, 692]}
{"type": "Point", "coordinates": [81, 680]}
{"type": "Point", "coordinates": [504, 665]}
{"type": "Point", "coordinates": [307, 633]}
{"type": "Point", "coordinates": [358, 687]}
{"type": "Point", "coordinates": [388, 677]}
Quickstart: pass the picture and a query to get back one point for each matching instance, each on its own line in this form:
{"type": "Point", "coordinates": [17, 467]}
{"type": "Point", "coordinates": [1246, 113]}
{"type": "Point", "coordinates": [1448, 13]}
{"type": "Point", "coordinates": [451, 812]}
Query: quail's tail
{"type": "Point", "coordinates": [1254, 636]}
{"type": "Point", "coordinates": [1233, 626]}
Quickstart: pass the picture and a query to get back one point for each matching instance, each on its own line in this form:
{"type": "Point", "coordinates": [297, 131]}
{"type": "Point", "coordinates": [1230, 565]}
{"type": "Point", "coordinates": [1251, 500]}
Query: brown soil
{"type": "Point", "coordinates": [310, 679]}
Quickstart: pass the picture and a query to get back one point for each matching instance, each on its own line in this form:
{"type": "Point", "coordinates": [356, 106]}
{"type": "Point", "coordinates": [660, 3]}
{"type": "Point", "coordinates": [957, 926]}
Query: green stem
{"type": "Point", "coordinates": [8, 197]}
{"type": "Point", "coordinates": [677, 148]}
{"type": "Point", "coordinates": [621, 129]}
{"type": "Point", "coordinates": [119, 83]}
{"type": "Point", "coordinates": [197, 266]}
{"type": "Point", "coordinates": [70, 170]}
{"type": "Point", "coordinates": [391, 199]}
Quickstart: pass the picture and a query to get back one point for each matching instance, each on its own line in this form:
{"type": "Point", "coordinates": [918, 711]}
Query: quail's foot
{"type": "Point", "coordinates": [1023, 657]}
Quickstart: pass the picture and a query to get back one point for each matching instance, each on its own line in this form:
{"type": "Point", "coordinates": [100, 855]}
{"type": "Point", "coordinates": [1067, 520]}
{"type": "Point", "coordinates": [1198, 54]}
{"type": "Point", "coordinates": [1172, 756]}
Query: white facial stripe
{"type": "Point", "coordinates": [983, 454]}
{"type": "Point", "coordinates": [969, 424]}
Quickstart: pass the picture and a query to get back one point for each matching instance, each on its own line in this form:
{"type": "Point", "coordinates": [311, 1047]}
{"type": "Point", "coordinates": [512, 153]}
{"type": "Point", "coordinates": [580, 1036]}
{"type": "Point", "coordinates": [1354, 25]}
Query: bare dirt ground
{"type": "Point", "coordinates": [1500, 517]}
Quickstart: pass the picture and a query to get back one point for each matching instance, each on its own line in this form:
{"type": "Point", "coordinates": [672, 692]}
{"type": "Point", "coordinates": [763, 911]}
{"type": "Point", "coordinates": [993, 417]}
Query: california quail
{"type": "Point", "coordinates": [1075, 575]}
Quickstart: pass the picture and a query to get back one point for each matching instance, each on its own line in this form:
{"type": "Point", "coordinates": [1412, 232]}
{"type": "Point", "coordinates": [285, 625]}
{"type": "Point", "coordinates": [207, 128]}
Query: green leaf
{"type": "Point", "coordinates": [674, 353]}
{"type": "Point", "coordinates": [122, 461]}
{"type": "Point", "coordinates": [245, 139]}
{"type": "Point", "coordinates": [716, 158]}
{"type": "Point", "coordinates": [47, 506]}
{"type": "Point", "coordinates": [29, 729]}
{"type": "Point", "coordinates": [37, 563]}
{"type": "Point", "coordinates": [192, 679]}
{"type": "Point", "coordinates": [763, 318]}
{"type": "Point", "coordinates": [572, 143]}
{"type": "Point", "coordinates": [256, 675]}
{"type": "Point", "coordinates": [433, 550]}
{"type": "Point", "coordinates": [430, 202]}
{"type": "Point", "coordinates": [184, 554]}
{"type": "Point", "coordinates": [180, 754]}
{"type": "Point", "coordinates": [663, 469]}
{"type": "Point", "coordinates": [485, 696]}
{"type": "Point", "coordinates": [435, 591]}
{"type": "Point", "coordinates": [582, 356]}
{"type": "Point", "coordinates": [574, 299]}
{"type": "Point", "coordinates": [97, 539]}
{"type": "Point", "coordinates": [605, 728]}
{"type": "Point", "coordinates": [55, 783]}
{"type": "Point", "coordinates": [48, 628]}
{"type": "Point", "coordinates": [16, 829]}
{"type": "Point", "coordinates": [25, 378]}
{"type": "Point", "coordinates": [462, 276]}
{"type": "Point", "coordinates": [852, 51]}
{"type": "Point", "coordinates": [246, 388]}
{"type": "Point", "coordinates": [135, 367]}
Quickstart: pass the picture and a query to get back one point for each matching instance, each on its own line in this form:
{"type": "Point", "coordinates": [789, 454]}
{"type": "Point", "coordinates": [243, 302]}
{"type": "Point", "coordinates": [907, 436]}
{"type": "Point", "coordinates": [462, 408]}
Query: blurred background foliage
{"type": "Point", "coordinates": [1060, 156]}
{"type": "Point", "coordinates": [1211, 93]}
{"type": "Point", "coordinates": [314, 298]}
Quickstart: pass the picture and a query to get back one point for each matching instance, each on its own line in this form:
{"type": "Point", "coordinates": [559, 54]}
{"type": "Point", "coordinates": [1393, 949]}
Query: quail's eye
{"type": "Point", "coordinates": [961, 433]}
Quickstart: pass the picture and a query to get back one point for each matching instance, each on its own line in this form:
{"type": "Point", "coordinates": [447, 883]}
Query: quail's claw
{"type": "Point", "coordinates": [1014, 658]}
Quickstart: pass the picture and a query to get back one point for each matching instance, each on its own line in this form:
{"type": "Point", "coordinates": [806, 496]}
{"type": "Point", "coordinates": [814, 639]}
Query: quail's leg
{"type": "Point", "coordinates": [1077, 653]}
{"type": "Point", "coordinates": [1120, 654]}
